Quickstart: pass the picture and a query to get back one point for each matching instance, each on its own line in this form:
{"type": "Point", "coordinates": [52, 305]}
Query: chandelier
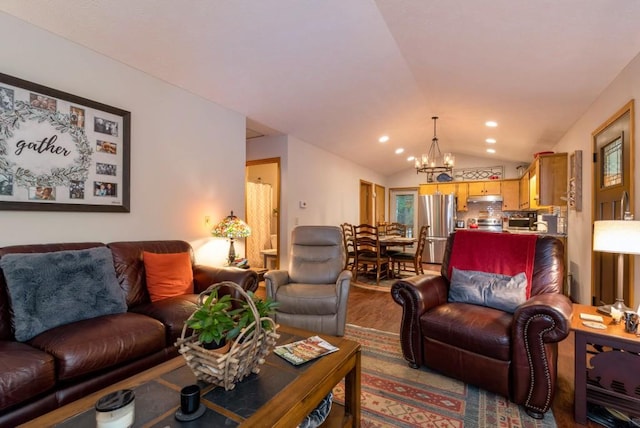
{"type": "Point", "coordinates": [434, 161]}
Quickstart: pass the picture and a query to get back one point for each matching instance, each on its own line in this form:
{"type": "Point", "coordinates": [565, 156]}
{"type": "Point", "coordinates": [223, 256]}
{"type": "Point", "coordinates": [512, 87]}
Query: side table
{"type": "Point", "coordinates": [606, 366]}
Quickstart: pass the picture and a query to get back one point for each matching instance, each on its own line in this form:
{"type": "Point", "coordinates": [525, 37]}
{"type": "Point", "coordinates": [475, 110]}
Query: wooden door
{"type": "Point", "coordinates": [366, 203]}
{"type": "Point", "coordinates": [613, 175]}
{"type": "Point", "coordinates": [380, 204]}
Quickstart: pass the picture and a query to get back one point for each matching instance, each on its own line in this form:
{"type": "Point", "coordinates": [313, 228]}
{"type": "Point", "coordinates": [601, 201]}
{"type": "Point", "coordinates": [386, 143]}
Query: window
{"type": "Point", "coordinates": [612, 163]}
{"type": "Point", "coordinates": [403, 209]}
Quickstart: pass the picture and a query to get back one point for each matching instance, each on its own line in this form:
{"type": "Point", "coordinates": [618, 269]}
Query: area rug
{"type": "Point", "coordinates": [368, 281]}
{"type": "Point", "coordinates": [395, 395]}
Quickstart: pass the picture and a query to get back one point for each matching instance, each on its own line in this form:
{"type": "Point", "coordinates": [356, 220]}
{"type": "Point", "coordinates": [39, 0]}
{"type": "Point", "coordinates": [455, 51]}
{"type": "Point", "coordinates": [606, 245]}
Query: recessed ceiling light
{"type": "Point", "coordinates": [411, 158]}
{"type": "Point", "coordinates": [490, 140]}
{"type": "Point", "coordinates": [491, 150]}
{"type": "Point", "coordinates": [383, 139]}
{"type": "Point", "coordinates": [491, 123]}
{"type": "Point", "coordinates": [400, 150]}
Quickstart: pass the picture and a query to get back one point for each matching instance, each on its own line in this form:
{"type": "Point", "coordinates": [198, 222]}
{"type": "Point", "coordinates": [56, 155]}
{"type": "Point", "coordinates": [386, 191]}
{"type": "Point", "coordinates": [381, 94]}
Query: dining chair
{"type": "Point", "coordinates": [368, 253]}
{"type": "Point", "coordinates": [349, 245]}
{"type": "Point", "coordinates": [406, 259]}
{"type": "Point", "coordinates": [396, 229]}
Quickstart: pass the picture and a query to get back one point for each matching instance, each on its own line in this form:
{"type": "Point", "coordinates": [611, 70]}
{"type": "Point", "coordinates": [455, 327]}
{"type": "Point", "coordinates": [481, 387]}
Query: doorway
{"type": "Point", "coordinates": [613, 175]}
{"type": "Point", "coordinates": [262, 202]}
{"type": "Point", "coordinates": [403, 208]}
{"type": "Point", "coordinates": [372, 203]}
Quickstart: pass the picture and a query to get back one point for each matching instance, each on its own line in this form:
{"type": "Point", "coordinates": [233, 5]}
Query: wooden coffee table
{"type": "Point", "coordinates": [281, 395]}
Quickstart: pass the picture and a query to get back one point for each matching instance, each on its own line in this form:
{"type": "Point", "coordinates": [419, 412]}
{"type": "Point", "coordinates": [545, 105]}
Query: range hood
{"type": "Point", "coordinates": [483, 198]}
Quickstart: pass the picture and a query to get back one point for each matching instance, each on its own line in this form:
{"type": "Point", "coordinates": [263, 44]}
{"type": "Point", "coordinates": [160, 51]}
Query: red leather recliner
{"type": "Point", "coordinates": [511, 354]}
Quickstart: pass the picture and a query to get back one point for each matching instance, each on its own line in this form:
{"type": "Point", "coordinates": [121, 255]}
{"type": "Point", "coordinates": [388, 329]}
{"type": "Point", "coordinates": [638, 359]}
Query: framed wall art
{"type": "Point", "coordinates": [61, 152]}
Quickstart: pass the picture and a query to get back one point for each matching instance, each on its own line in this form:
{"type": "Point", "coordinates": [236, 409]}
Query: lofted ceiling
{"type": "Point", "coordinates": [339, 74]}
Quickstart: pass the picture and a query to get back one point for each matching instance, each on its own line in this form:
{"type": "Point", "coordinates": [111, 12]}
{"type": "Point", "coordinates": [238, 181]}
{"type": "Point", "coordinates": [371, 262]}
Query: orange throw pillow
{"type": "Point", "coordinates": [168, 274]}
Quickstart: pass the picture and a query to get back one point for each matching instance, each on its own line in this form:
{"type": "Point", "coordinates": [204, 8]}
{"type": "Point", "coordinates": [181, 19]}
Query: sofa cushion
{"type": "Point", "coordinates": [168, 274]}
{"type": "Point", "coordinates": [172, 312]}
{"type": "Point", "coordinates": [26, 372]}
{"type": "Point", "coordinates": [56, 288]}
{"type": "Point", "coordinates": [92, 345]}
{"type": "Point", "coordinates": [494, 290]}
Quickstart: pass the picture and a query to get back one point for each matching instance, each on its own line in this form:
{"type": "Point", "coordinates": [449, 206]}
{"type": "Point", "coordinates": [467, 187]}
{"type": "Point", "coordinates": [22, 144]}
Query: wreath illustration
{"type": "Point", "coordinates": [78, 171]}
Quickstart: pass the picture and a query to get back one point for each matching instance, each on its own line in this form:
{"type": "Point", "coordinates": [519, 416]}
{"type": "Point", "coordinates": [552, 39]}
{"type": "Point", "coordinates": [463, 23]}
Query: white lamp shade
{"type": "Point", "coordinates": [616, 236]}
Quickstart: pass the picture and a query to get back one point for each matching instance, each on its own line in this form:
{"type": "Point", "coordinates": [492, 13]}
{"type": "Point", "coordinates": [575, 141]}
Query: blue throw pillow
{"type": "Point", "coordinates": [488, 289]}
{"type": "Point", "coordinates": [52, 289]}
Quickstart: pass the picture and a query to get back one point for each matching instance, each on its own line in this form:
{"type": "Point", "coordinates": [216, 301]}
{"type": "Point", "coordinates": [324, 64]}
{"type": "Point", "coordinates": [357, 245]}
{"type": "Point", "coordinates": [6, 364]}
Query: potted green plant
{"type": "Point", "coordinates": [214, 321]}
{"type": "Point", "coordinates": [217, 322]}
{"type": "Point", "coordinates": [244, 318]}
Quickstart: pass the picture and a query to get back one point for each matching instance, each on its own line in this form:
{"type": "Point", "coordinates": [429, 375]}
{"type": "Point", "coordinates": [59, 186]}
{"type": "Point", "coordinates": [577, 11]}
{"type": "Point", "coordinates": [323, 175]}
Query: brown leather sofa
{"type": "Point", "coordinates": [511, 354]}
{"type": "Point", "coordinates": [69, 361]}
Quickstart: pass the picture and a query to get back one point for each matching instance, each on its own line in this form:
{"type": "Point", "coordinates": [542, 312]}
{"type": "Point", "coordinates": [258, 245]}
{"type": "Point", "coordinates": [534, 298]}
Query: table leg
{"type": "Point", "coordinates": [352, 392]}
{"type": "Point", "coordinates": [580, 376]}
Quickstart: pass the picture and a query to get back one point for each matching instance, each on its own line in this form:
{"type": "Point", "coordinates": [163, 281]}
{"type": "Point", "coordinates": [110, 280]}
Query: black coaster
{"type": "Point", "coordinates": [192, 416]}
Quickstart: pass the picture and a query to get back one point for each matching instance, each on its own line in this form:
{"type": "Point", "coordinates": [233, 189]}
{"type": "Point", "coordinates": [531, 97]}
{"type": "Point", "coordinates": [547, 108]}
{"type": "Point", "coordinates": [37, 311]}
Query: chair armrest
{"type": "Point", "coordinates": [417, 295]}
{"type": "Point", "coordinates": [274, 279]}
{"type": "Point", "coordinates": [547, 315]}
{"type": "Point", "coordinates": [538, 325]}
{"type": "Point", "coordinates": [420, 293]}
{"type": "Point", "coordinates": [204, 276]}
{"type": "Point", "coordinates": [342, 285]}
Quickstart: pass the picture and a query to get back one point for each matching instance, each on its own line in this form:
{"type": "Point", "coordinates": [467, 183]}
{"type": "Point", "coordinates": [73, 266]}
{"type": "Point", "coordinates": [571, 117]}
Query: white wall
{"type": "Point", "coordinates": [625, 87]}
{"type": "Point", "coordinates": [330, 185]}
{"type": "Point", "coordinates": [187, 154]}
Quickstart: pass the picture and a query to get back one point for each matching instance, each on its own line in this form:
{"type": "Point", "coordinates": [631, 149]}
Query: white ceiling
{"type": "Point", "coordinates": [340, 73]}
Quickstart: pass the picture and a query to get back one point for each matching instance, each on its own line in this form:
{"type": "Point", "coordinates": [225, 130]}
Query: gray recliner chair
{"type": "Point", "coordinates": [313, 293]}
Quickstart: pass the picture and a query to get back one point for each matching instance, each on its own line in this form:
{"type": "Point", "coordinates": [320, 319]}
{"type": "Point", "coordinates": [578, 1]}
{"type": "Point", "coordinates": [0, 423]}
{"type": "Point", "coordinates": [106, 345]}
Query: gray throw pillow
{"type": "Point", "coordinates": [488, 289]}
{"type": "Point", "coordinates": [52, 289]}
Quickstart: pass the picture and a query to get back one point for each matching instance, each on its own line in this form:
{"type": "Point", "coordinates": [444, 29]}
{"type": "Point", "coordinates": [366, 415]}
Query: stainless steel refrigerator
{"type": "Point", "coordinates": [439, 212]}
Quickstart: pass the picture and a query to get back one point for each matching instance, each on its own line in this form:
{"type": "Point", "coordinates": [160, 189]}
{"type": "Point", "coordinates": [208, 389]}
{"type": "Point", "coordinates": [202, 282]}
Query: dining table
{"type": "Point", "coordinates": [395, 241]}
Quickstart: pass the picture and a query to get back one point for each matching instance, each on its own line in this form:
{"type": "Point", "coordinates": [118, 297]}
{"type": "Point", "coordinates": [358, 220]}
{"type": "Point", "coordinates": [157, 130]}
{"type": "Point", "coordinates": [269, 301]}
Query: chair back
{"type": "Point", "coordinates": [317, 254]}
{"type": "Point", "coordinates": [366, 240]}
{"type": "Point", "coordinates": [396, 229]}
{"type": "Point", "coordinates": [349, 245]}
{"type": "Point", "coordinates": [347, 236]}
{"type": "Point", "coordinates": [548, 264]}
{"type": "Point", "coordinates": [422, 242]}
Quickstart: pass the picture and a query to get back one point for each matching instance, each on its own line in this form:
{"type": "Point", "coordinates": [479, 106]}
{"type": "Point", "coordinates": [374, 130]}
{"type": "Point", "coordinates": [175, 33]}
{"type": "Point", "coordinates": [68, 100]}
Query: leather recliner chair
{"type": "Point", "coordinates": [313, 293]}
{"type": "Point", "coordinates": [511, 354]}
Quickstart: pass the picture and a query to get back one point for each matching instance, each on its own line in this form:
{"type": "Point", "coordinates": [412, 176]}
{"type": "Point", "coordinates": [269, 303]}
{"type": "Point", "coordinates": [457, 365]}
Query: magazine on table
{"type": "Point", "coordinates": [305, 350]}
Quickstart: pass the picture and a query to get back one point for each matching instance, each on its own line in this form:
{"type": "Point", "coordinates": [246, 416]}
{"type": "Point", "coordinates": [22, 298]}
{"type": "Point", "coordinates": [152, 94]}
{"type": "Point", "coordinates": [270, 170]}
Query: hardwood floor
{"type": "Point", "coordinates": [376, 309]}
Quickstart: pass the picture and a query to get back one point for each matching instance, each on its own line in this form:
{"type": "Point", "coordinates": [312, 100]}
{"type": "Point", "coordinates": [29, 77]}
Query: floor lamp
{"type": "Point", "coordinates": [621, 237]}
{"type": "Point", "coordinates": [231, 227]}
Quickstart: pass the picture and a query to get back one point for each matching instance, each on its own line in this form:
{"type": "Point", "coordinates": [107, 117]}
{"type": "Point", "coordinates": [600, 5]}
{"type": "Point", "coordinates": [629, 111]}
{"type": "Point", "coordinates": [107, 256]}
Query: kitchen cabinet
{"type": "Point", "coordinates": [432, 189]}
{"type": "Point", "coordinates": [524, 191]}
{"type": "Point", "coordinates": [484, 188]}
{"type": "Point", "coordinates": [550, 179]}
{"type": "Point", "coordinates": [510, 195]}
{"type": "Point", "coordinates": [461, 196]}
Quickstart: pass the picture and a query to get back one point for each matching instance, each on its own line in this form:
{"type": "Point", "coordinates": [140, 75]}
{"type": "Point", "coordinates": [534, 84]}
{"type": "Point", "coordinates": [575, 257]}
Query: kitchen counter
{"type": "Point", "coordinates": [535, 232]}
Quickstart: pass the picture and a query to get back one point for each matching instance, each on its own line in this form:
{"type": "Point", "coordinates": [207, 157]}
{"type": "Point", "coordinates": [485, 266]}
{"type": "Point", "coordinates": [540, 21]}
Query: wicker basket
{"type": "Point", "coordinates": [247, 353]}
